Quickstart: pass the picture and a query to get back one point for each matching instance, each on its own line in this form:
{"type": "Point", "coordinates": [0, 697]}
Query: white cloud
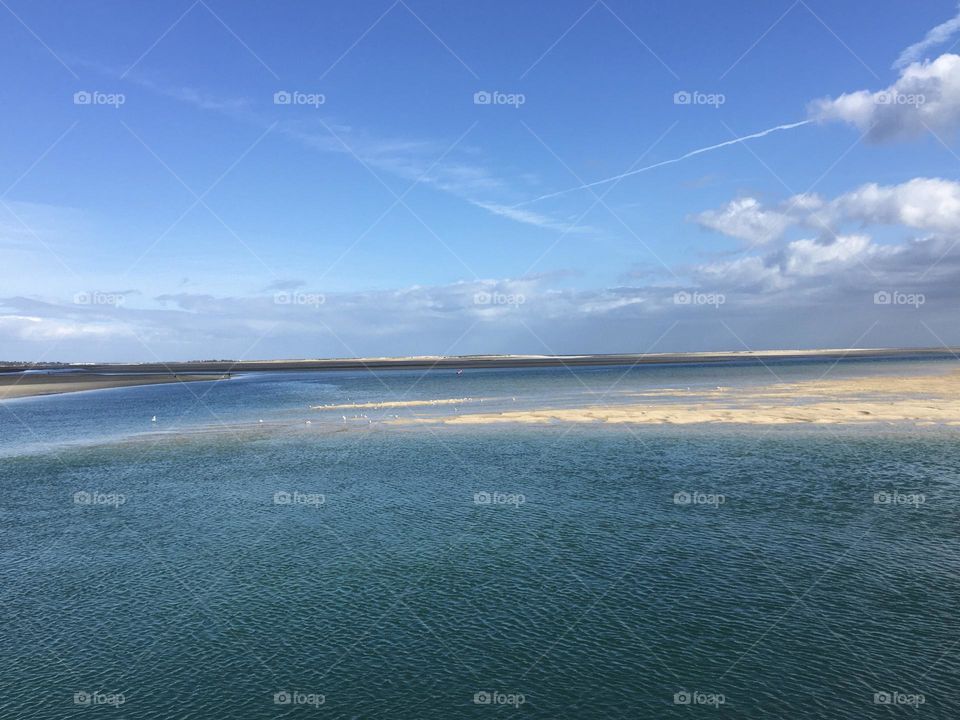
{"type": "Point", "coordinates": [925, 97]}
{"type": "Point", "coordinates": [937, 36]}
{"type": "Point", "coordinates": [930, 204]}
{"type": "Point", "coordinates": [809, 257]}
{"type": "Point", "coordinates": [750, 273]}
{"type": "Point", "coordinates": [923, 203]}
{"type": "Point", "coordinates": [745, 219]}
{"type": "Point", "coordinates": [808, 264]}
{"type": "Point", "coordinates": [32, 328]}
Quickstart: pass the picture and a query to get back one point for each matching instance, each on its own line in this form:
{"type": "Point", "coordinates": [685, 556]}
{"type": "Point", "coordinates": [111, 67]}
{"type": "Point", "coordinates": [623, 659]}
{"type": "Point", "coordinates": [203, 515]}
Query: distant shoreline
{"type": "Point", "coordinates": [458, 362]}
{"type": "Point", "coordinates": [19, 385]}
{"type": "Point", "coordinates": [54, 379]}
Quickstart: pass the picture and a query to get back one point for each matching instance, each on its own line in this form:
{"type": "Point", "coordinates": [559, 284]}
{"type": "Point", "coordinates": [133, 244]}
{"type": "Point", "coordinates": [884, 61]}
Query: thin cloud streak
{"type": "Point", "coordinates": [699, 151]}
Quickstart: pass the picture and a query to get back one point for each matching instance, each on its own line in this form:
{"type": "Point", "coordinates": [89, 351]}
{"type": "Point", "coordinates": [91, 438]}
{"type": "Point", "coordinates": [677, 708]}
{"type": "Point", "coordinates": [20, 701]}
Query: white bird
{"type": "Point", "coordinates": [153, 419]}
{"type": "Point", "coordinates": [344, 417]}
{"type": "Point", "coordinates": [261, 419]}
{"type": "Point", "coordinates": [309, 422]}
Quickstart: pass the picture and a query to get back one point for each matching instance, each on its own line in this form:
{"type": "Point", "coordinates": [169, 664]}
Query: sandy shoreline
{"type": "Point", "coordinates": [921, 400]}
{"type": "Point", "coordinates": [20, 386]}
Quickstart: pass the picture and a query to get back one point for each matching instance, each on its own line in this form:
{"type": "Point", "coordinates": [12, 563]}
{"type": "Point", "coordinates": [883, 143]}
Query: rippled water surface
{"type": "Point", "coordinates": [587, 572]}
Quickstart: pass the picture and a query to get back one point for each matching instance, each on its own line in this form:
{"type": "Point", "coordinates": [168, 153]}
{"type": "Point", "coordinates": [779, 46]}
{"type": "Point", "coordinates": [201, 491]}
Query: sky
{"type": "Point", "coordinates": [200, 179]}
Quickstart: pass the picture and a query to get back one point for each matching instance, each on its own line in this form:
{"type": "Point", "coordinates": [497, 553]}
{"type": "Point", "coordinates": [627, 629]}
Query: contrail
{"type": "Point", "coordinates": [690, 154]}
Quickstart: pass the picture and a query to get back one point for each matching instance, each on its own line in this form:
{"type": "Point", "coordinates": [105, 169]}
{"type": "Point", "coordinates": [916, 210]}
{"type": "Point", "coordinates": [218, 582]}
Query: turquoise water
{"type": "Point", "coordinates": [212, 562]}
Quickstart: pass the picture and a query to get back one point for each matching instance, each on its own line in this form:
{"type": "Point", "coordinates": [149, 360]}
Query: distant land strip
{"type": "Point", "coordinates": [458, 362]}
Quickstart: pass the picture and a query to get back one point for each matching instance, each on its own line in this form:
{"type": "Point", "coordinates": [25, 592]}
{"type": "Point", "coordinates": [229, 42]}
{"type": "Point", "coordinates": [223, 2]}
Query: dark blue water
{"type": "Point", "coordinates": [439, 573]}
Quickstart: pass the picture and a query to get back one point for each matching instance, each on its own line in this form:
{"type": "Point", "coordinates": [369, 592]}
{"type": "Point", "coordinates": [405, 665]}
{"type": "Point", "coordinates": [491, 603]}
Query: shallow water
{"type": "Point", "coordinates": [595, 572]}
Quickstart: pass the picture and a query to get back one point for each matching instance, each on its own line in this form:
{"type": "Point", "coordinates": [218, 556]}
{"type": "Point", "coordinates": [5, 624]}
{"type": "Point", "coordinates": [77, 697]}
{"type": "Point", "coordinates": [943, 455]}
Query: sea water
{"type": "Point", "coordinates": [212, 566]}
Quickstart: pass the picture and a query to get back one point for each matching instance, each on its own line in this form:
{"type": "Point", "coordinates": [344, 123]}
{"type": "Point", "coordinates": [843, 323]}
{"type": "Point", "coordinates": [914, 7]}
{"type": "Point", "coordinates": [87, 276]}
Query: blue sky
{"type": "Point", "coordinates": [184, 213]}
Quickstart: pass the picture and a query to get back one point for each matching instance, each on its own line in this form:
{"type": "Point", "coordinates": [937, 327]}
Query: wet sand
{"type": "Point", "coordinates": [920, 400]}
{"type": "Point", "coordinates": [15, 385]}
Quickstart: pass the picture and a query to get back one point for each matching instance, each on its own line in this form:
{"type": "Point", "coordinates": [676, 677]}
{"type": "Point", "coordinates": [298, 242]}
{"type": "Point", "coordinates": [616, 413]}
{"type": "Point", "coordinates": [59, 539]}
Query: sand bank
{"type": "Point", "coordinates": [395, 404]}
{"type": "Point", "coordinates": [921, 400]}
{"type": "Point", "coordinates": [15, 385]}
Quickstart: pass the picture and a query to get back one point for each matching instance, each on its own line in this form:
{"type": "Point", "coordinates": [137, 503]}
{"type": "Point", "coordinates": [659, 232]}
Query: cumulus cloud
{"type": "Point", "coordinates": [748, 274]}
{"type": "Point", "coordinates": [930, 204]}
{"type": "Point", "coordinates": [745, 219]}
{"type": "Point", "coordinates": [794, 264]}
{"type": "Point", "coordinates": [809, 257]}
{"type": "Point", "coordinates": [924, 203]}
{"type": "Point", "coordinates": [841, 255]}
{"type": "Point", "coordinates": [925, 97]}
